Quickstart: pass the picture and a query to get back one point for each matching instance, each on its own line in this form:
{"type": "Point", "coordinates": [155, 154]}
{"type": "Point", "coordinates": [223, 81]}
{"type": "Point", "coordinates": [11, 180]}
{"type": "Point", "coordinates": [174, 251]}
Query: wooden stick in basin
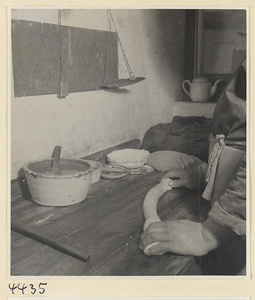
{"type": "Point", "coordinates": [56, 159]}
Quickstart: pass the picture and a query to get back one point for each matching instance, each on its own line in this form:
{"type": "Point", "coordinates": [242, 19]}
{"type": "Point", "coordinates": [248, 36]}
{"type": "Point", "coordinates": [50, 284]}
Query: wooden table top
{"type": "Point", "coordinates": [106, 226]}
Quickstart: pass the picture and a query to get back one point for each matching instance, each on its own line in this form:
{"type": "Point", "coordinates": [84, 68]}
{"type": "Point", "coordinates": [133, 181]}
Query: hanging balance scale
{"type": "Point", "coordinates": [120, 82]}
{"type": "Point", "coordinates": [62, 84]}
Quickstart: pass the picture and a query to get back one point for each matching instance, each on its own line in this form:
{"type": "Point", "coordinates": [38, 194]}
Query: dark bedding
{"type": "Point", "coordinates": [188, 135]}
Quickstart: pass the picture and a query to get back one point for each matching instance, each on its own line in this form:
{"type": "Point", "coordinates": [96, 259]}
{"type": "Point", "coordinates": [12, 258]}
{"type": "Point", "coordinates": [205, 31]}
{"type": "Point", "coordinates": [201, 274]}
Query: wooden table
{"type": "Point", "coordinates": [106, 226]}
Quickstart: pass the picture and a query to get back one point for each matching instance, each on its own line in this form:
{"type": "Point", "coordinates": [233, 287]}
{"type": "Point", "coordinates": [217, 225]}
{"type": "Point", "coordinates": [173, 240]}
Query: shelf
{"type": "Point", "coordinates": [194, 108]}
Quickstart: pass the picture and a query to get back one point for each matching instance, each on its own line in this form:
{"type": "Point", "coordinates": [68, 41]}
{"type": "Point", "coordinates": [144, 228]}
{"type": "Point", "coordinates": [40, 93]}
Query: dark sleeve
{"type": "Point", "coordinates": [230, 210]}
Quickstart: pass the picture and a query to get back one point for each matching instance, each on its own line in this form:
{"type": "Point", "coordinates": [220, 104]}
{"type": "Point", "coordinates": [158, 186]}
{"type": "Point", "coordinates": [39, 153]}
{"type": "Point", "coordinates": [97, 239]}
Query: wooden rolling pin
{"type": "Point", "coordinates": [48, 242]}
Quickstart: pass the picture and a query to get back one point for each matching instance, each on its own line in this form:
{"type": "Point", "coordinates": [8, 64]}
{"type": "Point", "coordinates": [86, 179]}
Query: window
{"type": "Point", "coordinates": [215, 43]}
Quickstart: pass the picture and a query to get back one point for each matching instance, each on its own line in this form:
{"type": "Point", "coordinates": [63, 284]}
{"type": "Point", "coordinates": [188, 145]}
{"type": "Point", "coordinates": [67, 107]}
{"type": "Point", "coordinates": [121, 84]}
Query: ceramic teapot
{"type": "Point", "coordinates": [200, 89]}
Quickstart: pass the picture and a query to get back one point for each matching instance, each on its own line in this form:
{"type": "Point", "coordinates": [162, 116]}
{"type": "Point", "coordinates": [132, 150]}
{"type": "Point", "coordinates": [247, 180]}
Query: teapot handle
{"type": "Point", "coordinates": [183, 86]}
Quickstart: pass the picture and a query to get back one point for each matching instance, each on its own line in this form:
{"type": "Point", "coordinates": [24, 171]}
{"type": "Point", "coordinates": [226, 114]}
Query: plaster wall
{"type": "Point", "coordinates": [84, 123]}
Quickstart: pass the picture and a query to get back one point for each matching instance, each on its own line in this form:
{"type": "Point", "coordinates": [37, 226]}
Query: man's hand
{"type": "Point", "coordinates": [180, 237]}
{"type": "Point", "coordinates": [192, 178]}
{"type": "Point", "coordinates": [184, 237]}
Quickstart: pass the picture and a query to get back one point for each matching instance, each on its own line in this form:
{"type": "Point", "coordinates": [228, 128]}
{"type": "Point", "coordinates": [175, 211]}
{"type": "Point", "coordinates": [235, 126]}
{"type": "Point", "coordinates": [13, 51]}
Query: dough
{"type": "Point", "coordinates": [150, 205]}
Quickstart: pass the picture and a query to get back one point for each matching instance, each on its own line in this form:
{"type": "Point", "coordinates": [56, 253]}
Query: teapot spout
{"type": "Point", "coordinates": [214, 87]}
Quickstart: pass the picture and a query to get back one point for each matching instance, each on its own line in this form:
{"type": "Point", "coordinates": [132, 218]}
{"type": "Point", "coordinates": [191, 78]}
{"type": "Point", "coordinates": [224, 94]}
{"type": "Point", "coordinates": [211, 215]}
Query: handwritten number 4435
{"type": "Point", "coordinates": [30, 288]}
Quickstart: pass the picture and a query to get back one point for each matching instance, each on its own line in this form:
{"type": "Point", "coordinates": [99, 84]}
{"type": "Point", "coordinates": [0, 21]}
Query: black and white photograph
{"type": "Point", "coordinates": [129, 147]}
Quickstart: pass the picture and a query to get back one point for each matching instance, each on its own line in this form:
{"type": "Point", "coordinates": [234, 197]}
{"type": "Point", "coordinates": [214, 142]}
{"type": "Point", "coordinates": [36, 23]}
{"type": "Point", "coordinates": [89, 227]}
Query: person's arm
{"type": "Point", "coordinates": [226, 219]}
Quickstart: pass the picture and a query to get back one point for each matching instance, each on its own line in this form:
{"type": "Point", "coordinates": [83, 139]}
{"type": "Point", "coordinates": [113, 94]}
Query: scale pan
{"type": "Point", "coordinates": [122, 82]}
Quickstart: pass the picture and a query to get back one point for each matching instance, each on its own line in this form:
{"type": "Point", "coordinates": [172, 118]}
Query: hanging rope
{"type": "Point", "coordinates": [106, 48]}
{"type": "Point", "coordinates": [131, 74]}
{"type": "Point", "coordinates": [60, 44]}
{"type": "Point", "coordinates": [124, 81]}
{"type": "Point", "coordinates": [62, 84]}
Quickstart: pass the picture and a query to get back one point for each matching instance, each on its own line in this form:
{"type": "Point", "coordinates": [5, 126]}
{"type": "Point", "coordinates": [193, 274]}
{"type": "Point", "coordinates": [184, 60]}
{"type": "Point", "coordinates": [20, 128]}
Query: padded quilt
{"type": "Point", "coordinates": [188, 135]}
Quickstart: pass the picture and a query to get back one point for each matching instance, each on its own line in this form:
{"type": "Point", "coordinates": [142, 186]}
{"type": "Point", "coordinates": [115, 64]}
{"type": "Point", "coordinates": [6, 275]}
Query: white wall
{"type": "Point", "coordinates": [84, 123]}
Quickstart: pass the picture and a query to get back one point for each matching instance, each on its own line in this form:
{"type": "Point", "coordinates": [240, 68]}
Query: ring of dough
{"type": "Point", "coordinates": [150, 205]}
